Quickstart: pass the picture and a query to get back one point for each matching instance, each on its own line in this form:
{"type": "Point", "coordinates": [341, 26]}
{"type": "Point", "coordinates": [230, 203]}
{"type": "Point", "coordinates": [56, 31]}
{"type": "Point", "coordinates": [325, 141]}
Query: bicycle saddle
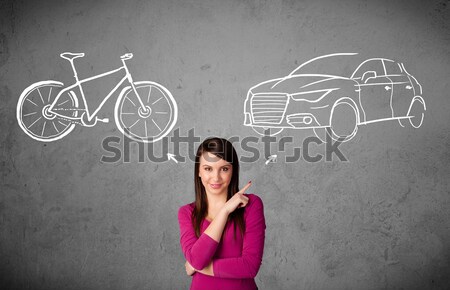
{"type": "Point", "coordinates": [70, 55]}
{"type": "Point", "coordinates": [127, 56]}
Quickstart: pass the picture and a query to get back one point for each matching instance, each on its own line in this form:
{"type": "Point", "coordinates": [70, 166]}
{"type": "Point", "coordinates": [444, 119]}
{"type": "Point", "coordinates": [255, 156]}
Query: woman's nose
{"type": "Point", "coordinates": [216, 175]}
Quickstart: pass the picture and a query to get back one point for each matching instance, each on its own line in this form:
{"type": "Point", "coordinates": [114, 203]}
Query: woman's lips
{"type": "Point", "coordinates": [215, 186]}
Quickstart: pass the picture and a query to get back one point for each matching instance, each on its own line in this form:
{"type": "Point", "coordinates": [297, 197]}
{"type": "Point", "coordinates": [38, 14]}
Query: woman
{"type": "Point", "coordinates": [222, 232]}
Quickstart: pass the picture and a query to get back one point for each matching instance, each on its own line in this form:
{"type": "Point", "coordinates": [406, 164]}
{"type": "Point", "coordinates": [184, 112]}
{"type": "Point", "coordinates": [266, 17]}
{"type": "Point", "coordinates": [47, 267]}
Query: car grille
{"type": "Point", "coordinates": [268, 108]}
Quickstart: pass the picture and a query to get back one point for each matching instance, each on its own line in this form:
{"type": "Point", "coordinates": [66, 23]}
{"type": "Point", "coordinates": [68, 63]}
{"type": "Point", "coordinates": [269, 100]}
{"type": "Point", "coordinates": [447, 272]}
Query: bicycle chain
{"type": "Point", "coordinates": [62, 109]}
{"type": "Point", "coordinates": [69, 120]}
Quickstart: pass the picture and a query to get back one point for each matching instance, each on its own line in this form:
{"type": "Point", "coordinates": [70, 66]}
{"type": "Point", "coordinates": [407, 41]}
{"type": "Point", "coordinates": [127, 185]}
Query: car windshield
{"type": "Point", "coordinates": [338, 64]}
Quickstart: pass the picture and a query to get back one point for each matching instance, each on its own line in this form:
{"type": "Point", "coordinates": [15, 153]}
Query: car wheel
{"type": "Point", "coordinates": [272, 131]}
{"type": "Point", "coordinates": [322, 133]}
{"type": "Point", "coordinates": [343, 122]}
{"type": "Point", "coordinates": [416, 112]}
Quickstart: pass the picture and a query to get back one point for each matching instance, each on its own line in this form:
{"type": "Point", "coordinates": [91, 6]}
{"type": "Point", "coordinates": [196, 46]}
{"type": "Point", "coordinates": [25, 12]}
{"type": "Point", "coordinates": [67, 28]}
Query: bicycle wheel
{"type": "Point", "coordinates": [151, 125]}
{"type": "Point", "coordinates": [33, 115]}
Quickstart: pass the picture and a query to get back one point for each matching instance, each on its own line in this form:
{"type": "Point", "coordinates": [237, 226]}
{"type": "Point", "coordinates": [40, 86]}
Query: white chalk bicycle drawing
{"type": "Point", "coordinates": [319, 95]}
{"type": "Point", "coordinates": [144, 111]}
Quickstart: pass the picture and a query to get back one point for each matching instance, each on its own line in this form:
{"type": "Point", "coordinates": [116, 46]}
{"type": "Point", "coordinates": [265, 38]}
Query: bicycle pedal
{"type": "Point", "coordinates": [105, 120]}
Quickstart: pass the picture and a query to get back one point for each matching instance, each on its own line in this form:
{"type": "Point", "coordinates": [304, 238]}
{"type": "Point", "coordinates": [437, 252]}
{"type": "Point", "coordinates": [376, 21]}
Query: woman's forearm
{"type": "Point", "coordinates": [216, 227]}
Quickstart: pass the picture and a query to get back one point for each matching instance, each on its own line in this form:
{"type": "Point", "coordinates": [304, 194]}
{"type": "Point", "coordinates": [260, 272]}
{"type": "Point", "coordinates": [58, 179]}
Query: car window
{"type": "Point", "coordinates": [341, 65]}
{"type": "Point", "coordinates": [374, 65]}
{"type": "Point", "coordinates": [392, 68]}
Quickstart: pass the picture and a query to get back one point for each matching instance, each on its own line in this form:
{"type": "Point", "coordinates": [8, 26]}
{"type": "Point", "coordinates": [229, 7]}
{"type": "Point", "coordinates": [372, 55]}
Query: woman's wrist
{"type": "Point", "coordinates": [208, 270]}
{"type": "Point", "coordinates": [224, 211]}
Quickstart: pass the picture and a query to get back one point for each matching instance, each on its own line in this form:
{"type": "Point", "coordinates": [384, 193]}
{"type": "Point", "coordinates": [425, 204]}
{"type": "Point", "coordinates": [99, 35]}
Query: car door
{"type": "Point", "coordinates": [375, 90]}
{"type": "Point", "coordinates": [403, 91]}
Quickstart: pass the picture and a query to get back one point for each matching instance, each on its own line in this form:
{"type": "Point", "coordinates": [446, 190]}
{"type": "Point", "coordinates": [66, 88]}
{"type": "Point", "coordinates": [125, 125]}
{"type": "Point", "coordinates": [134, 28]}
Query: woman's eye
{"type": "Point", "coordinates": [207, 169]}
{"type": "Point", "coordinates": [225, 169]}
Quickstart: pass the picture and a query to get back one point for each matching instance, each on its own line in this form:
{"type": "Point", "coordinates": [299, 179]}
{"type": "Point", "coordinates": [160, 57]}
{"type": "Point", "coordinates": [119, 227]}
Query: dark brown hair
{"type": "Point", "coordinates": [223, 149]}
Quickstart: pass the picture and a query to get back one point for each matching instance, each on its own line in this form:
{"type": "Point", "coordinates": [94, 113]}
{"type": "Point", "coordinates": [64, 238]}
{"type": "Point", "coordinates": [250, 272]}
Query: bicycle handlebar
{"type": "Point", "coordinates": [126, 56]}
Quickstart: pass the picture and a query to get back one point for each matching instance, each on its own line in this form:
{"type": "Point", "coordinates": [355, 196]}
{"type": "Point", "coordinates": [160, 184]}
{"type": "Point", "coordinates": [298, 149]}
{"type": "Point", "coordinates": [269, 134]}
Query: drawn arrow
{"type": "Point", "coordinates": [171, 156]}
{"type": "Point", "coordinates": [272, 158]}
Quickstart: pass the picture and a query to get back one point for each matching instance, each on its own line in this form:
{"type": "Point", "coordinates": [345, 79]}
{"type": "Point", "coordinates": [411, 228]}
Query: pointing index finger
{"type": "Point", "coordinates": [245, 187]}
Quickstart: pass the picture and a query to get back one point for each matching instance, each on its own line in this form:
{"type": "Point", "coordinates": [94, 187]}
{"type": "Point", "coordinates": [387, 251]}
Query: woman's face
{"type": "Point", "coordinates": [215, 174]}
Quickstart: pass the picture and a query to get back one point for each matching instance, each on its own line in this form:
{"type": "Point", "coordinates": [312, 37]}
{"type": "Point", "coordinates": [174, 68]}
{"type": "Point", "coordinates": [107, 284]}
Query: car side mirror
{"type": "Point", "coordinates": [368, 75]}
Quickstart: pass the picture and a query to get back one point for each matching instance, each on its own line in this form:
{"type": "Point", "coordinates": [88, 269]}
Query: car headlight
{"type": "Point", "coordinates": [311, 96]}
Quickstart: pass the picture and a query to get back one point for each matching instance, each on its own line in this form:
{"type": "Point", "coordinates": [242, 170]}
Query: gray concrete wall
{"type": "Point", "coordinates": [69, 220]}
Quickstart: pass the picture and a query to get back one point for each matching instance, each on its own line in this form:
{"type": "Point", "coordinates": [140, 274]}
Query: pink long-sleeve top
{"type": "Point", "coordinates": [236, 261]}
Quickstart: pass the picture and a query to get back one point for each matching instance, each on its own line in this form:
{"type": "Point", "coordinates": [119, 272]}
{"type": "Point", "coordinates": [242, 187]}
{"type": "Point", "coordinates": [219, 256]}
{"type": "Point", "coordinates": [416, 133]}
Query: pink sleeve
{"type": "Point", "coordinates": [246, 266]}
{"type": "Point", "coordinates": [197, 251]}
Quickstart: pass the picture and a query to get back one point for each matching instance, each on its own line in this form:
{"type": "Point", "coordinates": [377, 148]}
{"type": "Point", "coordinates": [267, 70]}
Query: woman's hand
{"type": "Point", "coordinates": [189, 269]}
{"type": "Point", "coordinates": [237, 200]}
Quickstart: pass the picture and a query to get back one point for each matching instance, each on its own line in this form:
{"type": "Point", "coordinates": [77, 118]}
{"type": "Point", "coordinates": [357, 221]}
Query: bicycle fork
{"type": "Point", "coordinates": [144, 110]}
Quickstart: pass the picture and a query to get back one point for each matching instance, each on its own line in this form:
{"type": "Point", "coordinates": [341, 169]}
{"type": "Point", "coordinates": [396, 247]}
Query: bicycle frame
{"type": "Point", "coordinates": [79, 83]}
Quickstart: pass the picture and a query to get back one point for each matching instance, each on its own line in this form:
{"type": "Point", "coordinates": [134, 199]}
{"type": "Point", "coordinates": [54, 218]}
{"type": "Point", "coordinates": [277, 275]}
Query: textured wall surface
{"type": "Point", "coordinates": [69, 220]}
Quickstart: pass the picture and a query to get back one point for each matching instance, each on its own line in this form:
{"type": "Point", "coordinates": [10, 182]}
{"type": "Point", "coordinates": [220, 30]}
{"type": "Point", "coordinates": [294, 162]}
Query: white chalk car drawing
{"type": "Point", "coordinates": [324, 95]}
{"type": "Point", "coordinates": [144, 111]}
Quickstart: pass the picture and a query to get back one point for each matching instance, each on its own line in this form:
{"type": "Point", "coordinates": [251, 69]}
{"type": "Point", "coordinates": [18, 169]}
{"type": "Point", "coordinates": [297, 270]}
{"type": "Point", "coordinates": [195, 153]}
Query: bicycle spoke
{"type": "Point", "coordinates": [156, 124]}
{"type": "Point", "coordinates": [130, 101]}
{"type": "Point", "coordinates": [49, 94]}
{"type": "Point", "coordinates": [128, 113]}
{"type": "Point", "coordinates": [43, 128]}
{"type": "Point", "coordinates": [42, 99]}
{"type": "Point", "coordinates": [55, 127]}
{"type": "Point", "coordinates": [134, 123]}
{"type": "Point", "coordinates": [149, 92]}
{"type": "Point", "coordinates": [62, 103]}
{"type": "Point", "coordinates": [34, 122]}
{"type": "Point", "coordinates": [32, 102]}
{"type": "Point", "coordinates": [161, 113]}
{"type": "Point", "coordinates": [65, 125]}
{"type": "Point", "coordinates": [156, 101]}
{"type": "Point", "coordinates": [29, 114]}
